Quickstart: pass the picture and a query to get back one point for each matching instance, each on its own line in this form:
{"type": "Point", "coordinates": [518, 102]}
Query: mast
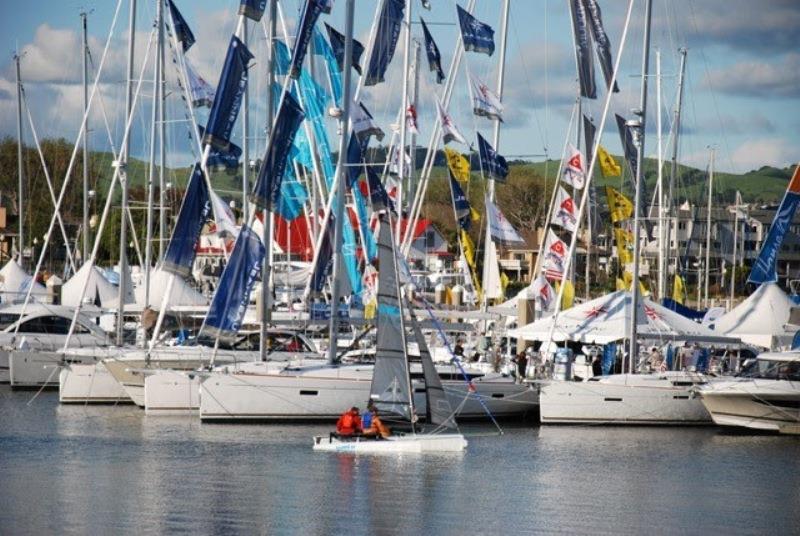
{"type": "Point", "coordinates": [501, 73]}
{"type": "Point", "coordinates": [123, 160]}
{"type": "Point", "coordinates": [245, 131]}
{"type": "Point", "coordinates": [708, 228]}
{"type": "Point", "coordinates": [662, 275]}
{"type": "Point", "coordinates": [162, 125]}
{"type": "Point", "coordinates": [20, 166]}
{"type": "Point", "coordinates": [339, 179]}
{"type": "Point", "coordinates": [412, 189]}
{"type": "Point", "coordinates": [676, 130]}
{"type": "Point", "coordinates": [403, 122]}
{"type": "Point", "coordinates": [148, 250]}
{"type": "Point", "coordinates": [735, 244]}
{"type": "Point", "coordinates": [85, 59]}
{"type": "Point", "coordinates": [639, 137]}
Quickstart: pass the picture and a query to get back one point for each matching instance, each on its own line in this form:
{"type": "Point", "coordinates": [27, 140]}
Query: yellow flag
{"type": "Point", "coordinates": [568, 298]}
{"type": "Point", "coordinates": [624, 239]}
{"type": "Point", "coordinates": [627, 278]}
{"type": "Point", "coordinates": [643, 289]}
{"type": "Point", "coordinates": [370, 309]}
{"type": "Point", "coordinates": [608, 165]}
{"type": "Point", "coordinates": [474, 214]}
{"type": "Point", "coordinates": [619, 206]}
{"type": "Point", "coordinates": [621, 285]}
{"type": "Point", "coordinates": [677, 289]}
{"type": "Point", "coordinates": [469, 249]}
{"type": "Point", "coordinates": [459, 166]}
{"type": "Point", "coordinates": [504, 281]}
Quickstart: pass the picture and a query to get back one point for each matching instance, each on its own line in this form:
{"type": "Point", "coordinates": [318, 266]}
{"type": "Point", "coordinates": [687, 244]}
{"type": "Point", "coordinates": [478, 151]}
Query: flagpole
{"type": "Point", "coordinates": [676, 130]}
{"type": "Point", "coordinates": [735, 244]}
{"type": "Point", "coordinates": [707, 266]}
{"type": "Point", "coordinates": [148, 249]}
{"type": "Point", "coordinates": [245, 136]}
{"type": "Point", "coordinates": [662, 275]}
{"type": "Point", "coordinates": [84, 57]}
{"type": "Point", "coordinates": [412, 189]}
{"type": "Point", "coordinates": [500, 80]}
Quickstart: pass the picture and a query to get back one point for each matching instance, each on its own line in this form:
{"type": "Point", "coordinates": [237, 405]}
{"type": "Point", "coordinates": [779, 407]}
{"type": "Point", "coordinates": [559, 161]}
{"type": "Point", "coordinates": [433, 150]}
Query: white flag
{"type": "Point", "coordinates": [223, 216]}
{"type": "Point", "coordinates": [543, 292]}
{"type": "Point", "coordinates": [555, 255]}
{"type": "Point", "coordinates": [394, 163]}
{"type": "Point", "coordinates": [363, 123]}
{"type": "Point", "coordinates": [499, 227]}
{"type": "Point", "coordinates": [574, 171]}
{"type": "Point", "coordinates": [450, 131]}
{"type": "Point", "coordinates": [202, 92]}
{"type": "Point", "coordinates": [411, 119]}
{"type": "Point", "coordinates": [484, 101]}
{"type": "Point", "coordinates": [492, 284]}
{"type": "Point", "coordinates": [565, 215]}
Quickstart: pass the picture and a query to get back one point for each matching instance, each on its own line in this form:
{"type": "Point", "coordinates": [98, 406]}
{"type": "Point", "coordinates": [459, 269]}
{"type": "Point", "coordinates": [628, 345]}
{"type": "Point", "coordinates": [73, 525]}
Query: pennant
{"type": "Point", "coordinates": [201, 91]}
{"type": "Point", "coordinates": [485, 102]}
{"type": "Point", "coordinates": [450, 131]}
{"type": "Point", "coordinates": [500, 228]}
{"type": "Point", "coordinates": [432, 51]}
{"type": "Point", "coordinates": [228, 99]}
{"type": "Point", "coordinates": [386, 35]}
{"type": "Point", "coordinates": [224, 317]}
{"type": "Point", "coordinates": [602, 42]}
{"type": "Point", "coordinates": [337, 45]}
{"type": "Point", "coordinates": [476, 35]}
{"type": "Point", "coordinates": [273, 166]}
{"type": "Point", "coordinates": [311, 12]}
{"type": "Point", "coordinates": [182, 31]}
{"type": "Point", "coordinates": [252, 9]}
{"type": "Point", "coordinates": [619, 206]}
{"type": "Point", "coordinates": [411, 119]}
{"type": "Point", "coordinates": [624, 240]}
{"type": "Point", "coordinates": [492, 164]}
{"type": "Point", "coordinates": [459, 166]}
{"type": "Point", "coordinates": [565, 211]}
{"type": "Point", "coordinates": [543, 292]}
{"type": "Point", "coordinates": [195, 208]}
{"type": "Point", "coordinates": [583, 49]}
{"type": "Point", "coordinates": [608, 164]}
{"type": "Point", "coordinates": [678, 289]}
{"type": "Point", "coordinates": [555, 256]}
{"type": "Point", "coordinates": [461, 207]}
{"type": "Point", "coordinates": [573, 171]}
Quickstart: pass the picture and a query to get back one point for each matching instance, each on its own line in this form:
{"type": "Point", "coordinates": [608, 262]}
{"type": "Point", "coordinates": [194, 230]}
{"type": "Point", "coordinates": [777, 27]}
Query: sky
{"type": "Point", "coordinates": [742, 92]}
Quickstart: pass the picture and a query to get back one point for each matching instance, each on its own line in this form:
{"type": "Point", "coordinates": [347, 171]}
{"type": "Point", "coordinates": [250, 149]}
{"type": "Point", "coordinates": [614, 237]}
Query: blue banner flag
{"type": "Point", "coordinates": [182, 31]}
{"type": "Point", "coordinates": [386, 35]}
{"type": "Point", "coordinates": [219, 159]}
{"type": "Point", "coordinates": [308, 20]}
{"type": "Point", "coordinates": [477, 36]}
{"type": "Point", "coordinates": [377, 193]}
{"type": "Point", "coordinates": [324, 265]}
{"type": "Point", "coordinates": [355, 159]}
{"type": "Point", "coordinates": [629, 148]}
{"type": "Point", "coordinates": [583, 49]}
{"type": "Point", "coordinates": [589, 134]}
{"type": "Point", "coordinates": [765, 268]}
{"type": "Point", "coordinates": [253, 9]}
{"type": "Point", "coordinates": [230, 92]}
{"type": "Point", "coordinates": [323, 48]}
{"type": "Point", "coordinates": [233, 291]}
{"type": "Point", "coordinates": [432, 51]}
{"type": "Point", "coordinates": [194, 212]}
{"type": "Point", "coordinates": [602, 42]}
{"type": "Point", "coordinates": [273, 166]}
{"type": "Point", "coordinates": [337, 45]}
{"type": "Point", "coordinates": [460, 205]}
{"type": "Point", "coordinates": [492, 164]}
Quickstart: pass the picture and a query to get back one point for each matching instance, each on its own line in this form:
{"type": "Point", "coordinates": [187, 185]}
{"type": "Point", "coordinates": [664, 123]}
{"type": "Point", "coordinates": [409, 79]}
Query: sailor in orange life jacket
{"type": "Point", "coordinates": [349, 423]}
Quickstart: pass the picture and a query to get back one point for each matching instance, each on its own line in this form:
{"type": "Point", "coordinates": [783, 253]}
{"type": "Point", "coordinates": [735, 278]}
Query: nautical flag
{"type": "Point", "coordinates": [477, 36]}
{"type": "Point", "coordinates": [391, 188]}
{"type": "Point", "coordinates": [568, 294]}
{"type": "Point", "coordinates": [469, 256]}
{"type": "Point", "coordinates": [182, 31]}
{"type": "Point", "coordinates": [629, 148]}
{"type": "Point", "coordinates": [566, 213]}
{"type": "Point", "coordinates": [355, 159]}
{"type": "Point", "coordinates": [602, 42]}
{"type": "Point", "coordinates": [220, 160]}
{"type": "Point", "coordinates": [363, 124]}
{"type": "Point", "coordinates": [619, 206]}
{"type": "Point", "coordinates": [308, 20]}
{"type": "Point", "coordinates": [459, 166]}
{"type": "Point", "coordinates": [450, 131]}
{"type": "Point", "coordinates": [195, 207]}
{"type": "Point", "coordinates": [432, 51]}
{"type": "Point", "coordinates": [253, 9]}
{"type": "Point", "coordinates": [555, 256]}
{"type": "Point", "coordinates": [583, 49]}
{"type": "Point", "coordinates": [608, 164]}
{"type": "Point", "coordinates": [230, 91]}
{"type": "Point", "coordinates": [323, 268]}
{"type": "Point", "coordinates": [232, 297]}
{"type": "Point", "coordinates": [589, 133]}
{"type": "Point", "coordinates": [484, 101]}
{"type": "Point", "coordinates": [543, 292]}
{"type": "Point", "coordinates": [500, 228]}
{"type": "Point", "coordinates": [273, 166]}
{"type": "Point", "coordinates": [624, 239]}
{"type": "Point", "coordinates": [394, 162]}
{"type": "Point", "coordinates": [386, 35]}
{"type": "Point", "coordinates": [492, 164]}
{"type": "Point", "coordinates": [573, 171]}
{"type": "Point", "coordinates": [323, 48]}
{"type": "Point", "coordinates": [765, 268]}
{"type": "Point", "coordinates": [411, 119]}
{"type": "Point", "coordinates": [224, 219]}
{"type": "Point", "coordinates": [202, 92]}
{"type": "Point", "coordinates": [377, 193]}
{"type": "Point", "coordinates": [678, 291]}
{"type": "Point", "coordinates": [337, 45]}
{"type": "Point", "coordinates": [461, 206]}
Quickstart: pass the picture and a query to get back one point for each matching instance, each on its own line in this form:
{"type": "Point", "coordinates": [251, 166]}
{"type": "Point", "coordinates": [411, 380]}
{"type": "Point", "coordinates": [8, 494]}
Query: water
{"type": "Point", "coordinates": [107, 470]}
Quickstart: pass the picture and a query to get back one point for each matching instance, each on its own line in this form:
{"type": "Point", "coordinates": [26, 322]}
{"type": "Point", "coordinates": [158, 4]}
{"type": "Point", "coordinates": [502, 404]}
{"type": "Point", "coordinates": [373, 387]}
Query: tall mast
{"type": "Point", "coordinates": [639, 137]}
{"type": "Point", "coordinates": [339, 179]}
{"type": "Point", "coordinates": [148, 248]}
{"type": "Point", "coordinates": [735, 245]}
{"type": "Point", "coordinates": [245, 134]}
{"type": "Point", "coordinates": [412, 189]}
{"type": "Point", "coordinates": [708, 227]}
{"type": "Point", "coordinates": [501, 73]}
{"type": "Point", "coordinates": [85, 59]}
{"type": "Point", "coordinates": [662, 275]}
{"type": "Point", "coordinates": [162, 125]}
{"type": "Point", "coordinates": [401, 154]}
{"type": "Point", "coordinates": [676, 131]}
{"type": "Point", "coordinates": [20, 166]}
{"type": "Point", "coordinates": [123, 175]}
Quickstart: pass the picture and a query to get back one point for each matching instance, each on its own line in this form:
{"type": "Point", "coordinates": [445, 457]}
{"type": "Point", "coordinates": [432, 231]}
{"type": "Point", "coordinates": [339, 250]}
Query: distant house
{"type": "Point", "coordinates": [429, 249]}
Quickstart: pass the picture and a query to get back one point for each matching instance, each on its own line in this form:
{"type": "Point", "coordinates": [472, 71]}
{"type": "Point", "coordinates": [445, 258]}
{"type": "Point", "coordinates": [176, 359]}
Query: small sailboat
{"type": "Point", "coordinates": [391, 390]}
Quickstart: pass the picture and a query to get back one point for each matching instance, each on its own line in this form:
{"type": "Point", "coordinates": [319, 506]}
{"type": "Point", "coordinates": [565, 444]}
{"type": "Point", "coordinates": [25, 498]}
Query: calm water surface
{"type": "Point", "coordinates": [109, 470]}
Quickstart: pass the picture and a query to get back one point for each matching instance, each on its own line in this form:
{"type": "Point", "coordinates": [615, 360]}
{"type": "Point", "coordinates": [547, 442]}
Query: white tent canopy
{"type": "Point", "coordinates": [14, 284]}
{"type": "Point", "coordinates": [182, 294]}
{"type": "Point", "coordinates": [606, 319]}
{"type": "Point", "coordinates": [761, 319]}
{"type": "Point", "coordinates": [98, 289]}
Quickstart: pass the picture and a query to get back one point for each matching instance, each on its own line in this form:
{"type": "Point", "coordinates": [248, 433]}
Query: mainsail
{"type": "Point", "coordinates": [438, 410]}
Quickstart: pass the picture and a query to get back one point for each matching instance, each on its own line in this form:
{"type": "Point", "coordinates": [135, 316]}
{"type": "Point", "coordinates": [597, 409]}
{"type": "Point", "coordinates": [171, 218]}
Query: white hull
{"type": "Point", "coordinates": [5, 374]}
{"type": "Point", "coordinates": [396, 444]}
{"type": "Point", "coordinates": [759, 404]}
{"type": "Point", "coordinates": [90, 383]}
{"type": "Point", "coordinates": [648, 399]}
{"type": "Point", "coordinates": [35, 368]}
{"type": "Point", "coordinates": [322, 393]}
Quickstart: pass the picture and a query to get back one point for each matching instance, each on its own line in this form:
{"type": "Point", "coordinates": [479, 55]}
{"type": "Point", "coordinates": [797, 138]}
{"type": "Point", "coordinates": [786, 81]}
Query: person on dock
{"type": "Point", "coordinates": [522, 365]}
{"type": "Point", "coordinates": [349, 423]}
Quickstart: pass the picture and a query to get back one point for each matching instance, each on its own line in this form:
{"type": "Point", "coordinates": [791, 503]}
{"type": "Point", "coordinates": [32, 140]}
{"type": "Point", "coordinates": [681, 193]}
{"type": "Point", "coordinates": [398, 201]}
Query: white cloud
{"type": "Point", "coordinates": [753, 154]}
{"type": "Point", "coordinates": [780, 79]}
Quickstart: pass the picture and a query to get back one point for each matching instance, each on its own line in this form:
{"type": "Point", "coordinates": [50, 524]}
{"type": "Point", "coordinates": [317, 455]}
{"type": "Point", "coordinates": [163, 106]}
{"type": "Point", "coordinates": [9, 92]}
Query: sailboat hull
{"type": "Point", "coordinates": [413, 444]}
{"type": "Point", "coordinates": [90, 384]}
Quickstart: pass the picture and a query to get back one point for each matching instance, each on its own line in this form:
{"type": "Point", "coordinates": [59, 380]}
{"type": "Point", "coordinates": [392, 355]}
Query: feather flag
{"type": "Point", "coordinates": [201, 91]}
{"type": "Point", "coordinates": [485, 102]}
{"type": "Point", "coordinates": [500, 228]}
{"type": "Point", "coordinates": [311, 12]}
{"type": "Point", "coordinates": [432, 51]}
{"type": "Point", "coordinates": [574, 169]}
{"type": "Point", "coordinates": [195, 208]}
{"type": "Point", "coordinates": [476, 35]}
{"type": "Point", "coordinates": [461, 206]}
{"type": "Point", "coordinates": [583, 49]}
{"type": "Point", "coordinates": [602, 42]}
{"type": "Point", "coordinates": [386, 35]}
{"type": "Point", "coordinates": [624, 239]}
{"type": "Point", "coordinates": [228, 99]}
{"type": "Point", "coordinates": [543, 292]}
{"type": "Point", "coordinates": [566, 214]}
{"type": "Point", "coordinates": [619, 206]}
{"type": "Point", "coordinates": [363, 124]}
{"type": "Point", "coordinates": [336, 40]}
{"type": "Point", "coordinates": [182, 31]}
{"type": "Point", "coordinates": [492, 164]}
{"type": "Point", "coordinates": [608, 164]}
{"type": "Point", "coordinates": [450, 131]}
{"type": "Point", "coordinates": [555, 256]}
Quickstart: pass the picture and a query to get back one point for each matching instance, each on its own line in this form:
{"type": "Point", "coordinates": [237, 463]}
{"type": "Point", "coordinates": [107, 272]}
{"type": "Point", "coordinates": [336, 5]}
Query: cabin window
{"type": "Point", "coordinates": [54, 325]}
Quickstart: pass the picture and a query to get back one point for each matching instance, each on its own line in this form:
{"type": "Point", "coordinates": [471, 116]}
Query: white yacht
{"type": "Point", "coordinates": [764, 396]}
